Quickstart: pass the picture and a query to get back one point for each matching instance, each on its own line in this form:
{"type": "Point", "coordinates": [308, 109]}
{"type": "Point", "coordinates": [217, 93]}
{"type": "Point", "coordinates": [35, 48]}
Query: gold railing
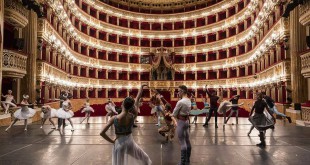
{"type": "Point", "coordinates": [305, 113]}
{"type": "Point", "coordinates": [305, 64]}
{"type": "Point", "coordinates": [304, 12]}
{"type": "Point", "coordinates": [14, 64]}
{"type": "Point", "coordinates": [15, 13]}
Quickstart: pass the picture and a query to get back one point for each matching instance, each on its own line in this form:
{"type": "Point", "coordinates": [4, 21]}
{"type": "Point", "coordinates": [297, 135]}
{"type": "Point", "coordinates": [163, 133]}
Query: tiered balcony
{"type": "Point", "coordinates": [14, 64]}
{"type": "Point", "coordinates": [304, 12]}
{"type": "Point", "coordinates": [305, 64]}
{"type": "Point", "coordinates": [15, 13]}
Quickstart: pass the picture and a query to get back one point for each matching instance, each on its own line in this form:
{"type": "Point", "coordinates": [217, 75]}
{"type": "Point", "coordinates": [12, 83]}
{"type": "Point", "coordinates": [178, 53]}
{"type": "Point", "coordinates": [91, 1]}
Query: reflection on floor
{"type": "Point", "coordinates": [286, 145]}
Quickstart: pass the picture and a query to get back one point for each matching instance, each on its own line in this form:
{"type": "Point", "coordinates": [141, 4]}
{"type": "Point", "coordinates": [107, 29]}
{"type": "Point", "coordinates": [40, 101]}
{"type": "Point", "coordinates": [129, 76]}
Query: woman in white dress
{"type": "Point", "coordinates": [125, 150]}
{"type": "Point", "coordinates": [24, 113]}
{"type": "Point", "coordinates": [87, 109]}
{"type": "Point", "coordinates": [65, 113]}
{"type": "Point", "coordinates": [9, 99]}
{"type": "Point", "coordinates": [48, 113]}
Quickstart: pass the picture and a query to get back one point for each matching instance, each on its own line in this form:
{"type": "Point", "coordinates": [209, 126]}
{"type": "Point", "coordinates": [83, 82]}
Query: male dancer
{"type": "Point", "coordinates": [213, 106]}
{"type": "Point", "coordinates": [234, 101]}
{"type": "Point", "coordinates": [273, 108]}
{"type": "Point", "coordinates": [181, 112]}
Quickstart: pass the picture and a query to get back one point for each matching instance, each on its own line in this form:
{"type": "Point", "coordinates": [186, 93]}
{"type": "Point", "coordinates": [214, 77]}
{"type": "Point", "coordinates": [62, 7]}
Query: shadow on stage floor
{"type": "Point", "coordinates": [286, 145]}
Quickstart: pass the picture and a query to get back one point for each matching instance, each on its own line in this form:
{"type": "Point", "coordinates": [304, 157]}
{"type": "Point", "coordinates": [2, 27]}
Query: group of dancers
{"type": "Point", "coordinates": [125, 150]}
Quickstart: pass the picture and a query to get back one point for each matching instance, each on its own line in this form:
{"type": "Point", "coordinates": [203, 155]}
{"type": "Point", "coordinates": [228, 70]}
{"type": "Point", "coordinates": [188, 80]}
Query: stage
{"type": "Point", "coordinates": [286, 145]}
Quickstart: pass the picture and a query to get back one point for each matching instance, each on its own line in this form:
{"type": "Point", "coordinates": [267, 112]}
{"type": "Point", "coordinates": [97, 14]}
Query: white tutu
{"type": "Point", "coordinates": [224, 107]}
{"type": "Point", "coordinates": [88, 109]}
{"type": "Point", "coordinates": [62, 114]}
{"type": "Point", "coordinates": [127, 152]}
{"type": "Point", "coordinates": [49, 114]}
{"type": "Point", "coordinates": [24, 113]}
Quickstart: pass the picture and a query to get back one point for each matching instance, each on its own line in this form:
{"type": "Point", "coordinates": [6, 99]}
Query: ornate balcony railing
{"type": "Point", "coordinates": [304, 12]}
{"type": "Point", "coordinates": [14, 64]}
{"type": "Point", "coordinates": [15, 13]}
{"type": "Point", "coordinates": [305, 113]}
{"type": "Point", "coordinates": [305, 64]}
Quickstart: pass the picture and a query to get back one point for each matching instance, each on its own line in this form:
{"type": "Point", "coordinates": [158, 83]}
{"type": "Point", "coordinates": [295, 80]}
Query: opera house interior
{"type": "Point", "coordinates": [128, 82]}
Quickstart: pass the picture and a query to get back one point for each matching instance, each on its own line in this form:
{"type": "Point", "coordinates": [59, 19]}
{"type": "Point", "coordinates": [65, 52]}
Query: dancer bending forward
{"type": "Point", "coordinates": [125, 150]}
{"type": "Point", "coordinates": [169, 129]}
{"type": "Point", "coordinates": [87, 109]}
{"type": "Point", "coordinates": [48, 113]}
{"type": "Point", "coordinates": [24, 113]}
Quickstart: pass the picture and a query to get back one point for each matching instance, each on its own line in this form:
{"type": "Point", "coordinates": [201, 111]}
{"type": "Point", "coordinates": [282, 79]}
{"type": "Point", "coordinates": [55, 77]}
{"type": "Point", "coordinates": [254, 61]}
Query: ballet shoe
{"type": "Point", "coordinates": [262, 144]}
{"type": "Point", "coordinates": [41, 127]}
{"type": "Point", "coordinates": [25, 129]}
{"type": "Point", "coordinates": [53, 128]}
{"type": "Point", "coordinates": [249, 133]}
{"type": "Point", "coordinates": [6, 130]}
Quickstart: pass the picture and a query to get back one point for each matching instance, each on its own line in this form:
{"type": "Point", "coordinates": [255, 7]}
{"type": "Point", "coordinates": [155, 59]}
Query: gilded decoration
{"type": "Point", "coordinates": [15, 13]}
{"type": "Point", "coordinates": [304, 12]}
{"type": "Point", "coordinates": [13, 64]}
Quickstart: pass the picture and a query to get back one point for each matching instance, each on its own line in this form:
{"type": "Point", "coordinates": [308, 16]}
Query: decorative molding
{"type": "Point", "coordinates": [15, 13]}
{"type": "Point", "coordinates": [14, 64]}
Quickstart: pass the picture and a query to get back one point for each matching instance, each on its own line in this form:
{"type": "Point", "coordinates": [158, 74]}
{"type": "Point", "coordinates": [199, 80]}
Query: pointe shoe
{"type": "Point", "coordinates": [25, 129]}
{"type": "Point", "coordinates": [41, 127]}
{"type": "Point", "coordinates": [7, 129]}
{"type": "Point", "coordinates": [249, 133]}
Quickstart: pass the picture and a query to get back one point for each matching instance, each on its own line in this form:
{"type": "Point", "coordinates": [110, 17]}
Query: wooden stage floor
{"type": "Point", "coordinates": [286, 145]}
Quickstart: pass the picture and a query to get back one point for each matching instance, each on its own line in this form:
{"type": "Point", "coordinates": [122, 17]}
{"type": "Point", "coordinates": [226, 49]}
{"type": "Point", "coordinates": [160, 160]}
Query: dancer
{"type": "Point", "coordinates": [9, 101]}
{"type": "Point", "coordinates": [213, 106]}
{"type": "Point", "coordinates": [110, 108]}
{"type": "Point", "coordinates": [181, 112]}
{"type": "Point", "coordinates": [87, 109]}
{"type": "Point", "coordinates": [259, 120]}
{"type": "Point", "coordinates": [156, 103]}
{"type": "Point", "coordinates": [65, 113]}
{"type": "Point", "coordinates": [194, 107]}
{"type": "Point", "coordinates": [169, 129]}
{"type": "Point", "coordinates": [125, 150]}
{"type": "Point", "coordinates": [234, 100]}
{"type": "Point", "coordinates": [24, 113]}
{"type": "Point", "coordinates": [273, 108]}
{"type": "Point", "coordinates": [197, 111]}
{"type": "Point", "coordinates": [48, 113]}
{"type": "Point", "coordinates": [63, 95]}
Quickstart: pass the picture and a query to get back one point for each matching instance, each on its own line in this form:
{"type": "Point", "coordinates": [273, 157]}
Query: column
{"type": "Point", "coordinates": [16, 89]}
{"type": "Point", "coordinates": [1, 38]}
{"type": "Point", "coordinates": [30, 48]}
{"type": "Point", "coordinates": [297, 44]}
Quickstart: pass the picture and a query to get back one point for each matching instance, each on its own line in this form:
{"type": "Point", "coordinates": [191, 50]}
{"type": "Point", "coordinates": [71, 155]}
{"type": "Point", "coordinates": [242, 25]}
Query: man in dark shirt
{"type": "Point", "coordinates": [273, 108]}
{"type": "Point", "coordinates": [234, 101]}
{"type": "Point", "coordinates": [213, 107]}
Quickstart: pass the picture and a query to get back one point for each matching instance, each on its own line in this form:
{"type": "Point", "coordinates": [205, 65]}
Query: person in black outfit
{"type": "Point", "coordinates": [273, 108]}
{"type": "Point", "coordinates": [213, 107]}
{"type": "Point", "coordinates": [260, 121]}
{"type": "Point", "coordinates": [234, 100]}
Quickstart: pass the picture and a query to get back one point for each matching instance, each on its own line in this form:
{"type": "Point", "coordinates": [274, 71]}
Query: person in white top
{"type": "Point", "coordinates": [9, 101]}
{"type": "Point", "coordinates": [181, 112]}
{"type": "Point", "coordinates": [24, 113]}
{"type": "Point", "coordinates": [110, 108]}
{"type": "Point", "coordinates": [87, 109]}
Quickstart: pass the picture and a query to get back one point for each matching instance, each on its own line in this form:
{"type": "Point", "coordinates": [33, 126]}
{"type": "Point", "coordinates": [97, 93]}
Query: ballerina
{"type": "Point", "coordinates": [48, 113]}
{"type": "Point", "coordinates": [195, 111]}
{"type": "Point", "coordinates": [24, 113]}
{"type": "Point", "coordinates": [169, 129]}
{"type": "Point", "coordinates": [234, 108]}
{"type": "Point", "coordinates": [65, 112]}
{"type": "Point", "coordinates": [125, 149]}
{"type": "Point", "coordinates": [87, 109]}
{"type": "Point", "coordinates": [9, 99]}
{"type": "Point", "coordinates": [110, 108]}
{"type": "Point", "coordinates": [260, 121]}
